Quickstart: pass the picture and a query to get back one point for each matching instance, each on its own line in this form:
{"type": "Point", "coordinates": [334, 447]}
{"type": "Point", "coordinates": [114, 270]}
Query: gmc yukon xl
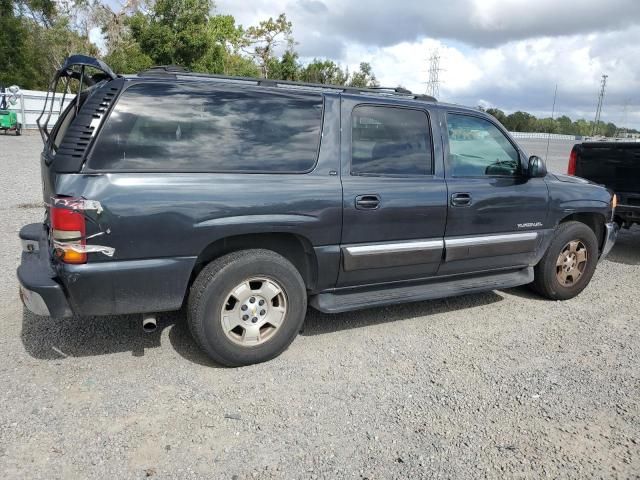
{"type": "Point", "coordinates": [247, 200]}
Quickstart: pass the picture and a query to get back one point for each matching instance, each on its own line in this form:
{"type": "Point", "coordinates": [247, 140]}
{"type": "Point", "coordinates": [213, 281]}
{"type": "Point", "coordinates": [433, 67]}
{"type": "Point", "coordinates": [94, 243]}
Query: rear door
{"type": "Point", "coordinates": [394, 195]}
{"type": "Point", "coordinates": [496, 214]}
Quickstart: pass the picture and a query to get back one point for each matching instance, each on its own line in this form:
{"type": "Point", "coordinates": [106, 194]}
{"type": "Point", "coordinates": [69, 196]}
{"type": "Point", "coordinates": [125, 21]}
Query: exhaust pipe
{"type": "Point", "coordinates": [148, 323]}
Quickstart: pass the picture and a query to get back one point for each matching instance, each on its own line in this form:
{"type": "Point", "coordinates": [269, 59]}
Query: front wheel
{"type": "Point", "coordinates": [569, 263]}
{"type": "Point", "coordinates": [247, 307]}
{"type": "Point", "coordinates": [18, 130]}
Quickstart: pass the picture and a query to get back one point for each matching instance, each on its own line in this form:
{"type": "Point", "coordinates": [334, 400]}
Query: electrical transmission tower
{"type": "Point", "coordinates": [433, 85]}
{"type": "Point", "coordinates": [596, 122]}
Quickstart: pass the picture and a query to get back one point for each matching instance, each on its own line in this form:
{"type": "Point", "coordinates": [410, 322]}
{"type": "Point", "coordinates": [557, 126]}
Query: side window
{"type": "Point", "coordinates": [168, 127]}
{"type": "Point", "coordinates": [390, 141]}
{"type": "Point", "coordinates": [478, 148]}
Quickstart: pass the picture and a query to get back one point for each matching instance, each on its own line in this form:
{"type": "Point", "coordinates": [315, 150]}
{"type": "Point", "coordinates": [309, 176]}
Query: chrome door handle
{"type": "Point", "coordinates": [460, 199]}
{"type": "Point", "coordinates": [367, 202]}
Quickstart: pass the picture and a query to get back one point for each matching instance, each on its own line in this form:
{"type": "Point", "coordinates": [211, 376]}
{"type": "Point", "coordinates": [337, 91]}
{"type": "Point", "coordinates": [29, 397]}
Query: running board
{"type": "Point", "coordinates": [356, 299]}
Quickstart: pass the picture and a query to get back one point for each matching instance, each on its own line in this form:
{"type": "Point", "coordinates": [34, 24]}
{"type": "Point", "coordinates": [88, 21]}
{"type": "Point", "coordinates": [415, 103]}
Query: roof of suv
{"type": "Point", "coordinates": [178, 73]}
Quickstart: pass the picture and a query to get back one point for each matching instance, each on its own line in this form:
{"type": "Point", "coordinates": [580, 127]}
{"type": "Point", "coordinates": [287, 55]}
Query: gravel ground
{"type": "Point", "coordinates": [500, 384]}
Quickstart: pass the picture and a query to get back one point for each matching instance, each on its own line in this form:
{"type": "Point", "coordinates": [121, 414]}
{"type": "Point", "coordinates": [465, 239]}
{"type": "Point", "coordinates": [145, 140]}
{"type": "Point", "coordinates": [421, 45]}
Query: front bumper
{"type": "Point", "coordinates": [610, 238]}
{"type": "Point", "coordinates": [39, 290]}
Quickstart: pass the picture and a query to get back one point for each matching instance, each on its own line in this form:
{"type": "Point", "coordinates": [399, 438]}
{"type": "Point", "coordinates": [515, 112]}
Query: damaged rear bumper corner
{"type": "Point", "coordinates": [39, 291]}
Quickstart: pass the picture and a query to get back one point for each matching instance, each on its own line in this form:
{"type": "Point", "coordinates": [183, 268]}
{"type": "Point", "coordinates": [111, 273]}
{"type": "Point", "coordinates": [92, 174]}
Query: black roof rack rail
{"type": "Point", "coordinates": [176, 72]}
{"type": "Point", "coordinates": [165, 69]}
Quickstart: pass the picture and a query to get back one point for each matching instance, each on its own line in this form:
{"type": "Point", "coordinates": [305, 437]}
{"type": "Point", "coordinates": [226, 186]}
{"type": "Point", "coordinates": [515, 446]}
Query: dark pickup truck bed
{"type": "Point", "coordinates": [616, 165]}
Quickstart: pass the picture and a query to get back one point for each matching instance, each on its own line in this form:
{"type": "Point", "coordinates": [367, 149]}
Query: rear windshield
{"type": "Point", "coordinates": [181, 127]}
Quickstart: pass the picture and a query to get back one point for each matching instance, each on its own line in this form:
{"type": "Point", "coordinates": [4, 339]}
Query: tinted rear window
{"type": "Point", "coordinates": [390, 141]}
{"type": "Point", "coordinates": [178, 127]}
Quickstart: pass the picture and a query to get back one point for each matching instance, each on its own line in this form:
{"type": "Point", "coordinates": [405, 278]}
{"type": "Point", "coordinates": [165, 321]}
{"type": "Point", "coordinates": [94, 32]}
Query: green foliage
{"type": "Point", "coordinates": [265, 37]}
{"type": "Point", "coordinates": [324, 71]}
{"type": "Point", "coordinates": [128, 57]}
{"type": "Point", "coordinates": [175, 33]}
{"type": "Point", "coordinates": [35, 38]}
{"type": "Point", "coordinates": [364, 78]}
{"type": "Point", "coordinates": [525, 122]}
{"type": "Point", "coordinates": [16, 60]}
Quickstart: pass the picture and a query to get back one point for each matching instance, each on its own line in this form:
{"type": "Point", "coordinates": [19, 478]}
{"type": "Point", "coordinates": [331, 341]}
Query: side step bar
{"type": "Point", "coordinates": [356, 299]}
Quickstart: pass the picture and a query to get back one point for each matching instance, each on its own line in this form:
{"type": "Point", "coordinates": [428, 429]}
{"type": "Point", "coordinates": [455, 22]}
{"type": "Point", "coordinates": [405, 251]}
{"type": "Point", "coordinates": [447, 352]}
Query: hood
{"type": "Point", "coordinates": [572, 179]}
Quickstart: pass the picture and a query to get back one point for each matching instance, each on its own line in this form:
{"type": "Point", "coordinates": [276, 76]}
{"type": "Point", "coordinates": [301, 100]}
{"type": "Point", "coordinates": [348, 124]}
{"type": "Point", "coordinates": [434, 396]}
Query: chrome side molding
{"type": "Point", "coordinates": [490, 245]}
{"type": "Point", "coordinates": [414, 252]}
{"type": "Point", "coordinates": [394, 254]}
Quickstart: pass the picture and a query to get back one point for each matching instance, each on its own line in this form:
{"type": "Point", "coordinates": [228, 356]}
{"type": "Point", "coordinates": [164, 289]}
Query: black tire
{"type": "Point", "coordinates": [546, 281]}
{"type": "Point", "coordinates": [18, 130]}
{"type": "Point", "coordinates": [209, 293]}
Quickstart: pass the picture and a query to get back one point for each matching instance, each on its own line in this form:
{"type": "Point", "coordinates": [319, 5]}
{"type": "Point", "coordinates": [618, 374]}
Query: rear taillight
{"type": "Point", "coordinates": [573, 158]}
{"type": "Point", "coordinates": [68, 231]}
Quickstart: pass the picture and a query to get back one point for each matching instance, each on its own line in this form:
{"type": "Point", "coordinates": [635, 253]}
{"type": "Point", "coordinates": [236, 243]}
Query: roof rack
{"type": "Point", "coordinates": [177, 72]}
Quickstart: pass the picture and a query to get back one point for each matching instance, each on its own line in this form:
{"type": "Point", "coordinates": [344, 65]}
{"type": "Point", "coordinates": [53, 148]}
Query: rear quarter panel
{"type": "Point", "coordinates": [159, 222]}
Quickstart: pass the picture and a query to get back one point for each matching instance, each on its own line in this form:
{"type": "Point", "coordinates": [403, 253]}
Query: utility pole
{"type": "Point", "coordinates": [596, 122]}
{"type": "Point", "coordinates": [433, 85]}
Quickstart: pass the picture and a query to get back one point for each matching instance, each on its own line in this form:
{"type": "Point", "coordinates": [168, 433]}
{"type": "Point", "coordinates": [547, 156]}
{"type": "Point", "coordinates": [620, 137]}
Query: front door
{"type": "Point", "coordinates": [496, 213]}
{"type": "Point", "coordinates": [394, 194]}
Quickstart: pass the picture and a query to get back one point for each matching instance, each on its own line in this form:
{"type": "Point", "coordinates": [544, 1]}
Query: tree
{"type": "Point", "coordinates": [519, 122]}
{"type": "Point", "coordinates": [35, 38]}
{"type": "Point", "coordinates": [176, 32]}
{"type": "Point", "coordinates": [264, 38]}
{"type": "Point", "coordinates": [364, 78]}
{"type": "Point", "coordinates": [285, 68]}
{"type": "Point", "coordinates": [498, 114]}
{"type": "Point", "coordinates": [16, 62]}
{"type": "Point", "coordinates": [564, 125]}
{"type": "Point", "coordinates": [323, 71]}
{"type": "Point", "coordinates": [37, 35]}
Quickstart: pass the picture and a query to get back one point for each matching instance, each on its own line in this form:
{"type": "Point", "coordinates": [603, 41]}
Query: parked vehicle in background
{"type": "Point", "coordinates": [616, 165]}
{"type": "Point", "coordinates": [254, 198]}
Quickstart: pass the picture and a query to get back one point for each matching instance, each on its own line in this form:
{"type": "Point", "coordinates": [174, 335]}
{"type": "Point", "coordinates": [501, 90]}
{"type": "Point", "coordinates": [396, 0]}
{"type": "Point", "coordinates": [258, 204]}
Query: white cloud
{"type": "Point", "coordinates": [506, 53]}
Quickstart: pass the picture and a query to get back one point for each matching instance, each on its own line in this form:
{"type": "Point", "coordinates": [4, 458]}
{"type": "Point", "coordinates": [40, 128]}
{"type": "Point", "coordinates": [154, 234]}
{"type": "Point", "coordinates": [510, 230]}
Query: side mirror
{"type": "Point", "coordinates": [537, 168]}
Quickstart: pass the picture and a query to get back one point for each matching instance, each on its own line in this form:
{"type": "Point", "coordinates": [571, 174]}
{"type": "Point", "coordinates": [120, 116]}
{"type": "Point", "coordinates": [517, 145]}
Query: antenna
{"type": "Point", "coordinates": [596, 122]}
{"type": "Point", "coordinates": [622, 130]}
{"type": "Point", "coordinates": [553, 111]}
{"type": "Point", "coordinates": [433, 85]}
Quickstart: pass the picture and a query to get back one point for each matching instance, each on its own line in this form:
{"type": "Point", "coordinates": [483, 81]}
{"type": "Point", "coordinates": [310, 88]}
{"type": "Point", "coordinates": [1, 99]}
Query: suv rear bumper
{"type": "Point", "coordinates": [39, 290]}
{"type": "Point", "coordinates": [98, 288]}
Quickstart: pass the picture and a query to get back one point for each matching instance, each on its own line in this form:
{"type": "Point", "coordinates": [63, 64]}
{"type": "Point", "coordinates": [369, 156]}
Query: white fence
{"type": "Point", "coordinates": [553, 136]}
{"type": "Point", "coordinates": [29, 107]}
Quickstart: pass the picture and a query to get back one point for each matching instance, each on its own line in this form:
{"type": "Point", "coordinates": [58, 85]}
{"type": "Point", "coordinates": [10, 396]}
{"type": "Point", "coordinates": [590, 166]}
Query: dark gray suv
{"type": "Point", "coordinates": [249, 199]}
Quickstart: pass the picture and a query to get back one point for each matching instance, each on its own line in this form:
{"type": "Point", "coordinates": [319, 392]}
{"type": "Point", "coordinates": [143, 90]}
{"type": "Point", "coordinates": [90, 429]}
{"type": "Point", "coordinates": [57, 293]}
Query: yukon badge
{"type": "Point", "coordinates": [530, 225]}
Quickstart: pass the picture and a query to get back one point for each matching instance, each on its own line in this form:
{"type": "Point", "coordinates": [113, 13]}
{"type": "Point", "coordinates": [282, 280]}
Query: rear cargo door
{"type": "Point", "coordinates": [394, 195]}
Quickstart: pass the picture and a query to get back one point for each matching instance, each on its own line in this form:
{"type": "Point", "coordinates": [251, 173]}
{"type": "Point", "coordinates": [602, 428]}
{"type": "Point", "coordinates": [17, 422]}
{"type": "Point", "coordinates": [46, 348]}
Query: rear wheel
{"type": "Point", "coordinates": [569, 263]}
{"type": "Point", "coordinates": [247, 307]}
